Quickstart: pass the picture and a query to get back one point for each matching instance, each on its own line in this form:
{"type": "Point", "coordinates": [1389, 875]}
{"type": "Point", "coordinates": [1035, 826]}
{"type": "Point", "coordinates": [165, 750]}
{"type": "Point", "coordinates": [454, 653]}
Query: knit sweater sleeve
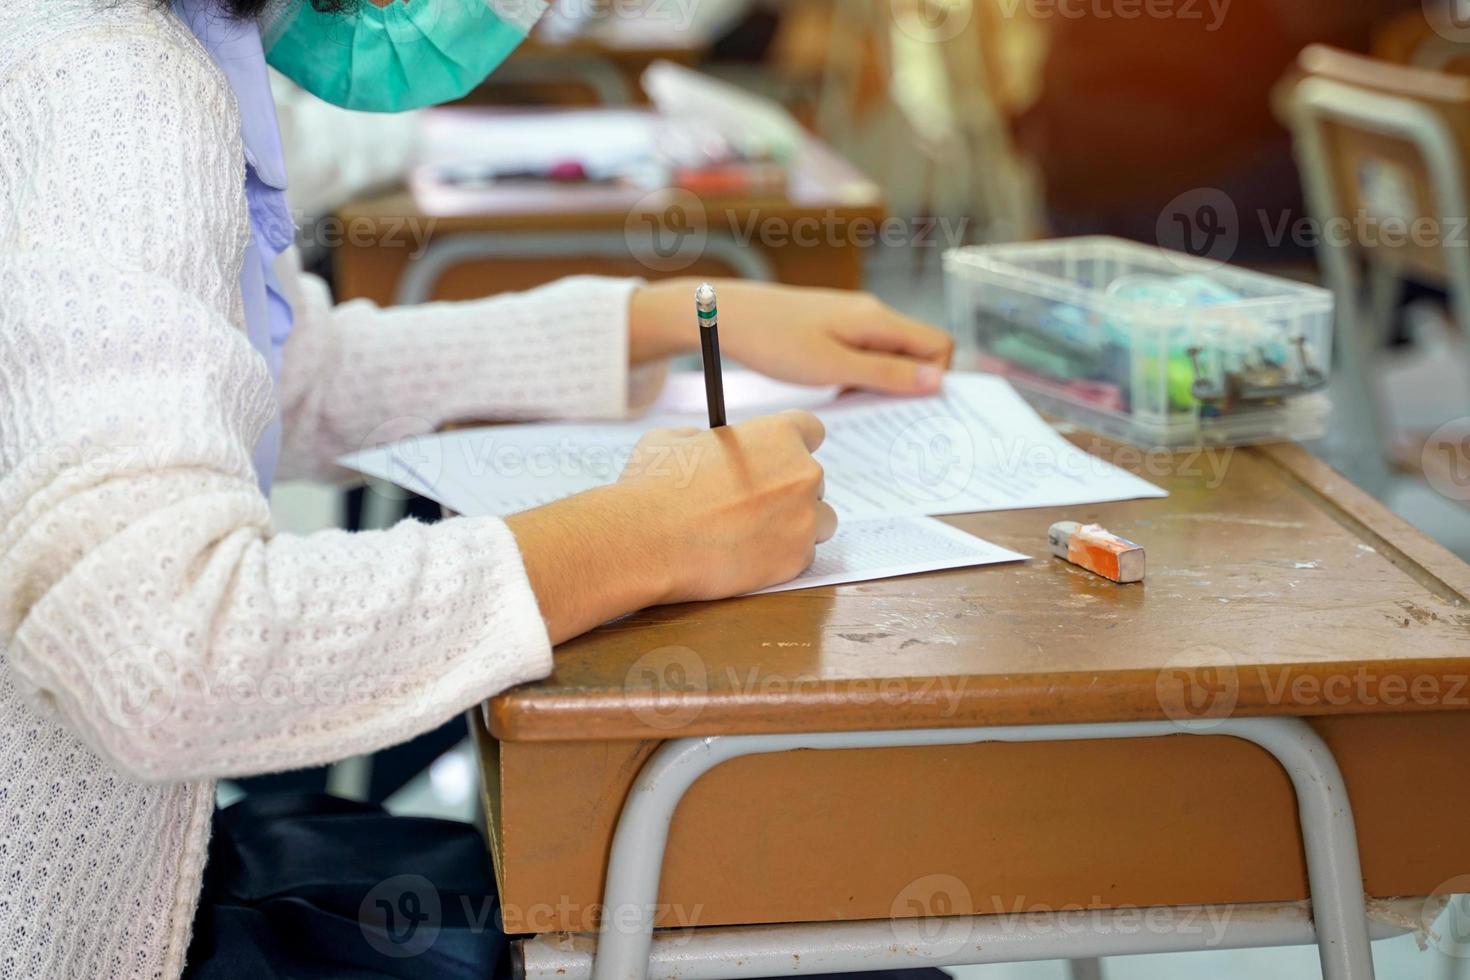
{"type": "Point", "coordinates": [356, 375]}
{"type": "Point", "coordinates": [143, 595]}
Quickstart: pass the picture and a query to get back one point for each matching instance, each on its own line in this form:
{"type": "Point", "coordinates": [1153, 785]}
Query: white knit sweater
{"type": "Point", "coordinates": [154, 632]}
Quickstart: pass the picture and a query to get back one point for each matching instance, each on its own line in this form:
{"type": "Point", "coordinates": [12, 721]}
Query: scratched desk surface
{"type": "Point", "coordinates": [1274, 587]}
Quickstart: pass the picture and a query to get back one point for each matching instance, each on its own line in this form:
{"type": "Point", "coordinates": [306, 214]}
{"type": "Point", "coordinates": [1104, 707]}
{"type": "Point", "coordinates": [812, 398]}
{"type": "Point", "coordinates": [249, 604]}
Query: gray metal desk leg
{"type": "Point", "coordinates": [1090, 969]}
{"type": "Point", "coordinates": [1328, 834]}
{"type": "Point", "coordinates": [420, 276]}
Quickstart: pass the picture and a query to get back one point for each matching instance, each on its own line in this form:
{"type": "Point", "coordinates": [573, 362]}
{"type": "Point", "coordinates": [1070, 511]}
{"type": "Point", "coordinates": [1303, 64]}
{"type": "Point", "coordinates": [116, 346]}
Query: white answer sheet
{"type": "Point", "coordinates": [890, 463]}
{"type": "Point", "coordinates": [976, 447]}
{"type": "Point", "coordinates": [884, 547]}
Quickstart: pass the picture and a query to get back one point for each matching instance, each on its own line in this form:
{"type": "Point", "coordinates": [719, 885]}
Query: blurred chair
{"type": "Point", "coordinates": [1382, 151]}
{"type": "Point", "coordinates": [933, 84]}
{"type": "Point", "coordinates": [991, 68]}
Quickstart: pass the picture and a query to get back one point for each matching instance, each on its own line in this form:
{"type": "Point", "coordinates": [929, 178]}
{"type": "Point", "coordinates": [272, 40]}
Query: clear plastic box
{"type": "Point", "coordinates": [1151, 346]}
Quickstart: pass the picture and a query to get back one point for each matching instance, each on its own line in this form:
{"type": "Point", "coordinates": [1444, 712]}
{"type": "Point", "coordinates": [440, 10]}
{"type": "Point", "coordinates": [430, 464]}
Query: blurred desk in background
{"type": "Point", "coordinates": [447, 240]}
{"type": "Point", "coordinates": [598, 62]}
{"type": "Point", "coordinates": [580, 71]}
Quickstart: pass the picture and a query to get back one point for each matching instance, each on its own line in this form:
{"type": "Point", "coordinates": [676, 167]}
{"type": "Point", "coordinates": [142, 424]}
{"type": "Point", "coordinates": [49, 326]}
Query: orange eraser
{"type": "Point", "coordinates": [1092, 547]}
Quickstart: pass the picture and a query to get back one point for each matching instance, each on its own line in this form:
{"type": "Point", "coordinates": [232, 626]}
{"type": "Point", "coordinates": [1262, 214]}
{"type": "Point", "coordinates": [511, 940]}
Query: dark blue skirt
{"type": "Point", "coordinates": [312, 887]}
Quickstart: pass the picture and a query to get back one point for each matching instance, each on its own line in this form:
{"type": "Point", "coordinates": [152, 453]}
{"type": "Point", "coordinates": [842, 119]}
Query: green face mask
{"type": "Point", "coordinates": [409, 54]}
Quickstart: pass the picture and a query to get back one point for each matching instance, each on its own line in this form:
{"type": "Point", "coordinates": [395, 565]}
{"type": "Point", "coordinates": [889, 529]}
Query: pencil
{"type": "Point", "coordinates": [709, 346]}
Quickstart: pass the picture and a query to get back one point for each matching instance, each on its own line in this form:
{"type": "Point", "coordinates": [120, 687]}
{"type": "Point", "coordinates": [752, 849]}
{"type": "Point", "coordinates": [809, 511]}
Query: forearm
{"type": "Point", "coordinates": [661, 320]}
{"type": "Point", "coordinates": [802, 335]}
{"type": "Point", "coordinates": [591, 558]}
{"type": "Point", "coordinates": [356, 375]}
{"type": "Point", "coordinates": [189, 642]}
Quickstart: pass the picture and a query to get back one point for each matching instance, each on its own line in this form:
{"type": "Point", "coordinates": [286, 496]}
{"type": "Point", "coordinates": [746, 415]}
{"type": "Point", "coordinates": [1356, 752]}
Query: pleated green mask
{"type": "Point", "coordinates": [408, 54]}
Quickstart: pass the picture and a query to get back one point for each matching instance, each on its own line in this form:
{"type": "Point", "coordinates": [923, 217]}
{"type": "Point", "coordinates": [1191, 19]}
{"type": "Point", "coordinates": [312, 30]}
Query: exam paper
{"type": "Point", "coordinates": [977, 446]}
{"type": "Point", "coordinates": [884, 547]}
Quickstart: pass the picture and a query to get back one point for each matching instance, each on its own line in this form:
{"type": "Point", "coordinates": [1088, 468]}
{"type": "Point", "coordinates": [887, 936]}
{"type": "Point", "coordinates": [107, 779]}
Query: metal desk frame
{"type": "Point", "coordinates": [626, 948]}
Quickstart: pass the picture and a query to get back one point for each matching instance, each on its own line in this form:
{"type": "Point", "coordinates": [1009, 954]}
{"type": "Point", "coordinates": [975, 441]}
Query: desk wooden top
{"type": "Point", "coordinates": [820, 183]}
{"type": "Point", "coordinates": [633, 49]}
{"type": "Point", "coordinates": [1281, 590]}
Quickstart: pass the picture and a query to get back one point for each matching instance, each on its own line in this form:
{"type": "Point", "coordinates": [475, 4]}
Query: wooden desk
{"type": "Point", "coordinates": [597, 62]}
{"type": "Point", "coordinates": [598, 68]}
{"type": "Point", "coordinates": [1281, 590]}
{"type": "Point", "coordinates": [816, 233]}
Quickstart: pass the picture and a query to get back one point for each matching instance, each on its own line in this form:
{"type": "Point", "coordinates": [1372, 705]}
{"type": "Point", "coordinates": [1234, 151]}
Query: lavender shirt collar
{"type": "Point", "coordinates": [236, 48]}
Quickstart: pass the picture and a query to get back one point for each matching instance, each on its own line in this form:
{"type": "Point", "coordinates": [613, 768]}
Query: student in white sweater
{"type": "Point", "coordinates": [136, 548]}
